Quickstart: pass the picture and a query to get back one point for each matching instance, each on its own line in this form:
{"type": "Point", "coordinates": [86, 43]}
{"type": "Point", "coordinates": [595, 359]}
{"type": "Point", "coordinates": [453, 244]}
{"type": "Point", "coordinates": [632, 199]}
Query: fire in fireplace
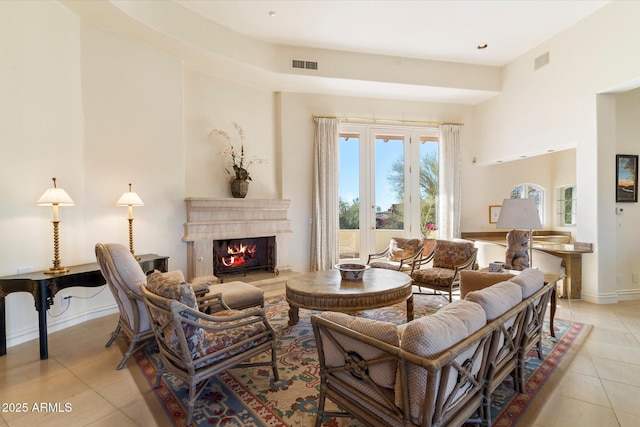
{"type": "Point", "coordinates": [237, 256]}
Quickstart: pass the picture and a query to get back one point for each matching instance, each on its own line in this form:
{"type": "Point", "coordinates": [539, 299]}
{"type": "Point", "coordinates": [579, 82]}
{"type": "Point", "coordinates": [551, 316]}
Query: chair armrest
{"type": "Point", "coordinates": [419, 262]}
{"type": "Point", "coordinates": [218, 323]}
{"type": "Point", "coordinates": [383, 254]}
{"type": "Point", "coordinates": [410, 260]}
{"type": "Point", "coordinates": [465, 265]}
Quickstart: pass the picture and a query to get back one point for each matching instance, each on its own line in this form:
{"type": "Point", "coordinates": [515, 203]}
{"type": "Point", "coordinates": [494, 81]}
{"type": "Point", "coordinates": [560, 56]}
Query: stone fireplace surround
{"type": "Point", "coordinates": [211, 219]}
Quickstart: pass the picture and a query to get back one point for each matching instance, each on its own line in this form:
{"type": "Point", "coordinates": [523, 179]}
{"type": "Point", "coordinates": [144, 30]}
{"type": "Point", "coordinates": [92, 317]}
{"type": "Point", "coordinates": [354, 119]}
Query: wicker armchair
{"type": "Point", "coordinates": [195, 346]}
{"type": "Point", "coordinates": [399, 255]}
{"type": "Point", "coordinates": [448, 259]}
{"type": "Point", "coordinates": [411, 375]}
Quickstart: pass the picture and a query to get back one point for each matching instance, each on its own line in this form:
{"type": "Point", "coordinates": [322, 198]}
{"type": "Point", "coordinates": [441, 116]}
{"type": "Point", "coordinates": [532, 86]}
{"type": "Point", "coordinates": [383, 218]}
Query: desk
{"type": "Point", "coordinates": [44, 287]}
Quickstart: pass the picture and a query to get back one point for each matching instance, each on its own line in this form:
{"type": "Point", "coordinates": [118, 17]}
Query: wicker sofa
{"type": "Point", "coordinates": [438, 370]}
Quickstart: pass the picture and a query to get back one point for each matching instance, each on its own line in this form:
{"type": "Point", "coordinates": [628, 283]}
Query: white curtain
{"type": "Point", "coordinates": [450, 198]}
{"type": "Point", "coordinates": [325, 227]}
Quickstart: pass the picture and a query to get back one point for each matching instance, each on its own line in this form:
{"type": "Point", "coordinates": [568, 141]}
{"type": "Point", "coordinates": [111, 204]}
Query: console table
{"type": "Point", "coordinates": [44, 287]}
{"type": "Point", "coordinates": [571, 254]}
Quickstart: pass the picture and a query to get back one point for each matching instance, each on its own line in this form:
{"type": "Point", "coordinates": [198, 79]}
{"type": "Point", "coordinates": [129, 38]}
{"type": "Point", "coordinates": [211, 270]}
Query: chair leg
{"type": "Point", "coordinates": [321, 402]}
{"type": "Point", "coordinates": [159, 375]}
{"type": "Point", "coordinates": [132, 347]}
{"type": "Point", "coordinates": [113, 336]}
{"type": "Point", "coordinates": [274, 364]}
{"type": "Point", "coordinates": [191, 404]}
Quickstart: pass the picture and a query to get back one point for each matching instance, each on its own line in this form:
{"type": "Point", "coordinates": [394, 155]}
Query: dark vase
{"type": "Point", "coordinates": [239, 188]}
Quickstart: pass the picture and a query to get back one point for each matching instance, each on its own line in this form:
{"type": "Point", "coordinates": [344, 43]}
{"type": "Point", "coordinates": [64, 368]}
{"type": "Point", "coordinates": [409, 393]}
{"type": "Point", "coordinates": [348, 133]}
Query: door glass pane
{"type": "Point", "coordinates": [429, 188]}
{"type": "Point", "coordinates": [349, 196]}
{"type": "Point", "coordinates": [389, 172]}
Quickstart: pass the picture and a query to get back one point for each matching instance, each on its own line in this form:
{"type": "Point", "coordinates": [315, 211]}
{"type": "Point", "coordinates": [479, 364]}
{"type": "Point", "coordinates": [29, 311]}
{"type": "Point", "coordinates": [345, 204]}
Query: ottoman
{"type": "Point", "coordinates": [236, 294]}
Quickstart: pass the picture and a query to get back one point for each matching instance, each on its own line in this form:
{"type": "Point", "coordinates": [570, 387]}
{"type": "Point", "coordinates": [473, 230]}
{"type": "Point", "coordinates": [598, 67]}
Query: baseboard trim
{"type": "Point", "coordinates": [60, 324]}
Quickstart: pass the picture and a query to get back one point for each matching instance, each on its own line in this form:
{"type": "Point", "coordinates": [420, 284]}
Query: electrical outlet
{"type": "Point", "coordinates": [619, 278]}
{"type": "Point", "coordinates": [23, 270]}
{"type": "Point", "coordinates": [634, 277]}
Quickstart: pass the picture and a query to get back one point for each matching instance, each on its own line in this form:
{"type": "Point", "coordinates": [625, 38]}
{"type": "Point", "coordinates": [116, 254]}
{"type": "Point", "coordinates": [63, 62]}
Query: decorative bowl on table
{"type": "Point", "coordinates": [351, 271]}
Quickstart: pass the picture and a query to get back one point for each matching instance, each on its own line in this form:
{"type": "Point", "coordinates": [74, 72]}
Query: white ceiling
{"type": "Point", "coordinates": [422, 30]}
{"type": "Point", "coordinates": [437, 30]}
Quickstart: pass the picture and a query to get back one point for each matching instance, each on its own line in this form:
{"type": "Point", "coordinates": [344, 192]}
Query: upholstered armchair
{"type": "Point", "coordinates": [448, 259]}
{"type": "Point", "coordinates": [124, 275]}
{"type": "Point", "coordinates": [399, 255]}
{"type": "Point", "coordinates": [194, 346]}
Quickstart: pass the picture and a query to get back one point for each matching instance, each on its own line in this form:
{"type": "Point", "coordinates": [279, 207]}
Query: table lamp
{"type": "Point", "coordinates": [520, 213]}
{"type": "Point", "coordinates": [130, 199]}
{"type": "Point", "coordinates": [55, 197]}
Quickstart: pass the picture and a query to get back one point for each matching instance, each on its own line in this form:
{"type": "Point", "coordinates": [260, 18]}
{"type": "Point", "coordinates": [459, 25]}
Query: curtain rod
{"type": "Point", "coordinates": [382, 121]}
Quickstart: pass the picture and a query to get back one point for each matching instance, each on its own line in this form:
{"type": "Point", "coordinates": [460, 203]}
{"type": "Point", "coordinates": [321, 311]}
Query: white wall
{"type": "Point", "coordinates": [96, 111]}
{"type": "Point", "coordinates": [628, 244]}
{"type": "Point", "coordinates": [210, 103]}
{"type": "Point", "coordinates": [484, 185]}
{"type": "Point", "coordinates": [557, 107]}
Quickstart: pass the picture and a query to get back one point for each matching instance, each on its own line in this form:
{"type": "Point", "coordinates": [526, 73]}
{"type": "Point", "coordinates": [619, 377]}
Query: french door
{"type": "Point", "coordinates": [381, 186]}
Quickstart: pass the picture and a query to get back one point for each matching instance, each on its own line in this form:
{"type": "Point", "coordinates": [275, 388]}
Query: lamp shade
{"type": "Point", "coordinates": [519, 213]}
{"type": "Point", "coordinates": [55, 196]}
{"type": "Point", "coordinates": [129, 198]}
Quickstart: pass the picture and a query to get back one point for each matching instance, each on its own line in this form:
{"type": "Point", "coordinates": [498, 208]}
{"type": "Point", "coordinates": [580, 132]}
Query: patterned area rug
{"type": "Point", "coordinates": [250, 397]}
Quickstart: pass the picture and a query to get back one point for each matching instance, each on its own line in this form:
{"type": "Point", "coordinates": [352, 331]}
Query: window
{"type": "Point", "coordinates": [388, 185]}
{"type": "Point", "coordinates": [567, 205]}
{"type": "Point", "coordinates": [530, 191]}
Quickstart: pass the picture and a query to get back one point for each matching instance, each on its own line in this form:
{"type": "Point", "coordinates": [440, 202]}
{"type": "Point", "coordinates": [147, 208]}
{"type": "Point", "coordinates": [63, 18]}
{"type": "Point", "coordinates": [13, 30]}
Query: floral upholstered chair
{"type": "Point", "coordinates": [449, 258]}
{"type": "Point", "coordinates": [399, 255]}
{"type": "Point", "coordinates": [194, 346]}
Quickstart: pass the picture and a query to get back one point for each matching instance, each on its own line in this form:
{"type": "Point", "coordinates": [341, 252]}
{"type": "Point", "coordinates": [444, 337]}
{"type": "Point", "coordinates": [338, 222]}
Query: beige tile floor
{"type": "Point", "coordinates": [601, 387]}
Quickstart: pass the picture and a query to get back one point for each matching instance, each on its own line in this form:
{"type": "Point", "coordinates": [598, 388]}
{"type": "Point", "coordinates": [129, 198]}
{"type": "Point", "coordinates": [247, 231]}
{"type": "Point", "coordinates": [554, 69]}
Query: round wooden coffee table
{"type": "Point", "coordinates": [326, 291]}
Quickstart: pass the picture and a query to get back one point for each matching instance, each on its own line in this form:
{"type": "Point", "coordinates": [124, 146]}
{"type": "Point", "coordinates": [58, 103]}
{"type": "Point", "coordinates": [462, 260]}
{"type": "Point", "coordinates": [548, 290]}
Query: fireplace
{"type": "Point", "coordinates": [237, 256]}
{"type": "Point", "coordinates": [210, 220]}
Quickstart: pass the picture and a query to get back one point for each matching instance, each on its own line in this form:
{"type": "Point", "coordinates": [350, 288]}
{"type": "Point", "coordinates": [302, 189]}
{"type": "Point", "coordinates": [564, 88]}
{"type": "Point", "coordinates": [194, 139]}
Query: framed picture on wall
{"type": "Point", "coordinates": [626, 178]}
{"type": "Point", "coordinates": [494, 214]}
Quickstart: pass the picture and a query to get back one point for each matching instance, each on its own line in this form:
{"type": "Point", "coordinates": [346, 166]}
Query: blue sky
{"type": "Point", "coordinates": [386, 155]}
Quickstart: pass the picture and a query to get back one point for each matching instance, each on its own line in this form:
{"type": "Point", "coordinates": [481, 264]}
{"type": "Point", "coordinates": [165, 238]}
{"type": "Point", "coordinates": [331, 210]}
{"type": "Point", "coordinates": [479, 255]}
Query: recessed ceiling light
{"type": "Point", "coordinates": [272, 13]}
{"type": "Point", "coordinates": [482, 46]}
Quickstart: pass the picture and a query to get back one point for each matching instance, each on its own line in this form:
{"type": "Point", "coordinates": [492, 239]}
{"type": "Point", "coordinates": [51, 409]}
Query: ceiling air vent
{"type": "Point", "coordinates": [300, 64]}
{"type": "Point", "coordinates": [541, 61]}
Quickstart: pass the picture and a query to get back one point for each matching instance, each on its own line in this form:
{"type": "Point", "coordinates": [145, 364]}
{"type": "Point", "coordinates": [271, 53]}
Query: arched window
{"type": "Point", "coordinates": [530, 191]}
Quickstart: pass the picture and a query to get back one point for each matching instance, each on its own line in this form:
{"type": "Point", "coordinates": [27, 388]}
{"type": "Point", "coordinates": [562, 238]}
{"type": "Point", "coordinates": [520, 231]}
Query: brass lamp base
{"type": "Point", "coordinates": [58, 270]}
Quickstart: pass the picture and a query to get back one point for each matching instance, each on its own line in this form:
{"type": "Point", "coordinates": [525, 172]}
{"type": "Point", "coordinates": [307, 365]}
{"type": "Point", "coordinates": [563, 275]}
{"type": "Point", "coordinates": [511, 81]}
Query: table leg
{"type": "Point", "coordinates": [293, 315]}
{"type": "Point", "coordinates": [3, 329]}
{"type": "Point", "coordinates": [410, 308]}
{"type": "Point", "coordinates": [42, 306]}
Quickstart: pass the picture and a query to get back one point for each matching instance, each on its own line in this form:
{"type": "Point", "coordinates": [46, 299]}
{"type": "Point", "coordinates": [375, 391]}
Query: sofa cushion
{"type": "Point", "coordinates": [473, 280]}
{"type": "Point", "coordinates": [400, 248]}
{"type": "Point", "coordinates": [531, 280]}
{"type": "Point", "coordinates": [383, 374]}
{"type": "Point", "coordinates": [431, 335]}
{"type": "Point", "coordinates": [497, 299]}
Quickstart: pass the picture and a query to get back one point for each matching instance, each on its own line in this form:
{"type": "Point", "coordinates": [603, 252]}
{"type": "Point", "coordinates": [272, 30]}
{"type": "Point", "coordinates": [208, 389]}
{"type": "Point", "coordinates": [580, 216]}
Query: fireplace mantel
{"type": "Point", "coordinates": [209, 219]}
